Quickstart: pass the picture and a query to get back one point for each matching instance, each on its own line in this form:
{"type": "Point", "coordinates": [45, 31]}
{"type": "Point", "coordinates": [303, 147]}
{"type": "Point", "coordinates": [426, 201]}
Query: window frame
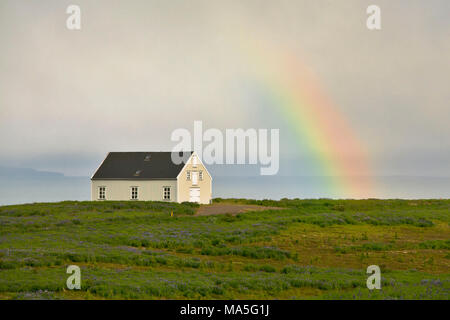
{"type": "Point", "coordinates": [132, 193]}
{"type": "Point", "coordinates": [169, 192]}
{"type": "Point", "coordinates": [100, 193]}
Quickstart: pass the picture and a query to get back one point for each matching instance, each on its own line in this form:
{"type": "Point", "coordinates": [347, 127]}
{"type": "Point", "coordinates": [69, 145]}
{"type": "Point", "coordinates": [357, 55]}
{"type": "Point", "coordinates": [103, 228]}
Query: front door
{"type": "Point", "coordinates": [194, 195]}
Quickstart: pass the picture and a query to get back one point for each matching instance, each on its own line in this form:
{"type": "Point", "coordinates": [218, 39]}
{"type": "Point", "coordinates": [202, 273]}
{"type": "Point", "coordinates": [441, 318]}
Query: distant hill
{"type": "Point", "coordinates": [10, 172]}
{"type": "Point", "coordinates": [25, 185]}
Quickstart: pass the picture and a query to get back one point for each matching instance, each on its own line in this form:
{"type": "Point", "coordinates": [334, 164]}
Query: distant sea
{"type": "Point", "coordinates": [19, 189]}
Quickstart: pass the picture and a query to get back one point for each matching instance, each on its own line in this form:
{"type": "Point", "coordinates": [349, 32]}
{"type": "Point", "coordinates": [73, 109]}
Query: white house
{"type": "Point", "coordinates": [151, 176]}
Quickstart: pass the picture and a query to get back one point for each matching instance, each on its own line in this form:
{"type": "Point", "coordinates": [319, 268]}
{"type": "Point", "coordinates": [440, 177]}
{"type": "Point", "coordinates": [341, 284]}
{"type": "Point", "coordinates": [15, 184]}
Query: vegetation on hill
{"type": "Point", "coordinates": [309, 249]}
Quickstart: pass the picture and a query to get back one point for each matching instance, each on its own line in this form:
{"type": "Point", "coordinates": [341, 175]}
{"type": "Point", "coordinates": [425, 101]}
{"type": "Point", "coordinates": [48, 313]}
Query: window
{"type": "Point", "coordinates": [188, 175]}
{"type": "Point", "coordinates": [134, 193]}
{"type": "Point", "coordinates": [102, 193]}
{"type": "Point", "coordinates": [194, 161]}
{"type": "Point", "coordinates": [200, 175]}
{"type": "Point", "coordinates": [166, 193]}
{"type": "Point", "coordinates": [194, 178]}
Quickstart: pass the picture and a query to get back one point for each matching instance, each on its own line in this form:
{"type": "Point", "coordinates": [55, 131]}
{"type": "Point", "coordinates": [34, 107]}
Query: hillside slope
{"type": "Point", "coordinates": [309, 249]}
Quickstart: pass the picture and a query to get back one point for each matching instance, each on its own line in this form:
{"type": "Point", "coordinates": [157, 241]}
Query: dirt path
{"type": "Point", "coordinates": [223, 208]}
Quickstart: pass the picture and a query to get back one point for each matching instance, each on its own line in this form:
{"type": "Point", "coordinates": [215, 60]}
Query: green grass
{"type": "Point", "coordinates": [312, 249]}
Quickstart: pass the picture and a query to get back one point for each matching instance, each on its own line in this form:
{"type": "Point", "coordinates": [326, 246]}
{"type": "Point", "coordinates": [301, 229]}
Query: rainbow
{"type": "Point", "coordinates": [313, 118]}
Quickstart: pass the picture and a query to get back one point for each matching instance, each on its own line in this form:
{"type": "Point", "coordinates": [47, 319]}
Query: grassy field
{"type": "Point", "coordinates": [310, 249]}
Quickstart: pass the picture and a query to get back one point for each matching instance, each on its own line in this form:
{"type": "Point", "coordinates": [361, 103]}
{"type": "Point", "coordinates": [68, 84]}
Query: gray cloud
{"type": "Point", "coordinates": [137, 70]}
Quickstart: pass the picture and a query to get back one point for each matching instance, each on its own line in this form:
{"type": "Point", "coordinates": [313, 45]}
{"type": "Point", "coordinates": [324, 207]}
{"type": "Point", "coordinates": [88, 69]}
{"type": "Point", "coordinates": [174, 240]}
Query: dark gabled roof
{"type": "Point", "coordinates": [138, 166]}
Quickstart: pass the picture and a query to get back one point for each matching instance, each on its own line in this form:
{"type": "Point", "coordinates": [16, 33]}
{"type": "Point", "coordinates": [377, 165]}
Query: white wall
{"type": "Point", "coordinates": [121, 189]}
{"type": "Point", "coordinates": [204, 185]}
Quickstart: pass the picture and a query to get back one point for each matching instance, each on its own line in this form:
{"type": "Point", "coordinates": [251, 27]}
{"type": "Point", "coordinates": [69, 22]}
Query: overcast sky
{"type": "Point", "coordinates": [137, 70]}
